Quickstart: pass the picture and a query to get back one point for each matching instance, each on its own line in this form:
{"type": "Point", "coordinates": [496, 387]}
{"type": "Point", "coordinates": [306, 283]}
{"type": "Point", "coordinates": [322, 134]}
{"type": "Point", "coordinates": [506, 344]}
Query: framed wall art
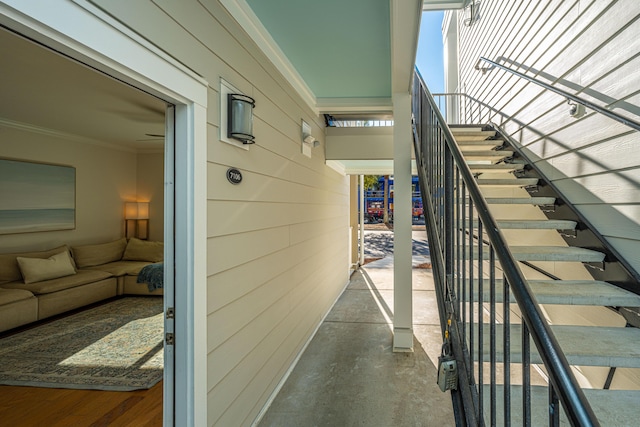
{"type": "Point", "coordinates": [36, 197]}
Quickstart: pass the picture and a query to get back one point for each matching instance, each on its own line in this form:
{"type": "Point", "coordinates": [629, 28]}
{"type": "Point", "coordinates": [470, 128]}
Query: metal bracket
{"type": "Point", "coordinates": [532, 188]}
{"type": "Point", "coordinates": [548, 208]}
{"type": "Point", "coordinates": [171, 313]}
{"type": "Point", "coordinates": [169, 338]}
{"type": "Point", "coordinates": [595, 265]}
{"type": "Point", "coordinates": [569, 233]}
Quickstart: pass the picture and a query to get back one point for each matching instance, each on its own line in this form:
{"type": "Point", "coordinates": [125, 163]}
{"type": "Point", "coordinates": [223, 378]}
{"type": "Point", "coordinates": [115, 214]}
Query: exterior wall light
{"type": "Point", "coordinates": [240, 117]}
{"type": "Point", "coordinates": [136, 216]}
{"type": "Point", "coordinates": [576, 110]}
{"type": "Point", "coordinates": [308, 140]}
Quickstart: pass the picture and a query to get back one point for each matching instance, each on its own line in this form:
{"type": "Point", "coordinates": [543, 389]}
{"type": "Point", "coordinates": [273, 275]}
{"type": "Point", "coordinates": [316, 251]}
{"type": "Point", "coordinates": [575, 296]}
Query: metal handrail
{"type": "Point", "coordinates": [615, 116]}
{"type": "Point", "coordinates": [486, 114]}
{"type": "Point", "coordinates": [562, 380]}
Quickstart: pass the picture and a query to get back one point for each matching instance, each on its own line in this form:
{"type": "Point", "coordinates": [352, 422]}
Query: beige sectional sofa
{"type": "Point", "coordinates": [37, 285]}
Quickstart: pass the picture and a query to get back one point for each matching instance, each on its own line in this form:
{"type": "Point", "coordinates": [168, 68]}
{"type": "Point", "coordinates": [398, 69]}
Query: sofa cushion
{"type": "Point", "coordinates": [9, 269]}
{"type": "Point", "coordinates": [7, 296]}
{"type": "Point", "coordinates": [82, 277]}
{"type": "Point", "coordinates": [121, 268]}
{"type": "Point", "coordinates": [90, 255]}
{"type": "Point", "coordinates": [36, 269]}
{"type": "Point", "coordinates": [140, 250]}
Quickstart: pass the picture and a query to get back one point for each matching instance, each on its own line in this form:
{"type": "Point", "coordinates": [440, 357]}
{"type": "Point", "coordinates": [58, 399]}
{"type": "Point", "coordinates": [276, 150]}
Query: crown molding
{"type": "Point", "coordinates": [28, 127]}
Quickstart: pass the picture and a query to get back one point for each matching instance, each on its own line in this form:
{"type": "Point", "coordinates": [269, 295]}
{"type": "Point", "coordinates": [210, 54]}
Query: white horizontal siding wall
{"type": "Point", "coordinates": [589, 48]}
{"type": "Point", "coordinates": [277, 245]}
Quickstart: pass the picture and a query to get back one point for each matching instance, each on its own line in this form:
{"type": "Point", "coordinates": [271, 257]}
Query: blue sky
{"type": "Point", "coordinates": [429, 59]}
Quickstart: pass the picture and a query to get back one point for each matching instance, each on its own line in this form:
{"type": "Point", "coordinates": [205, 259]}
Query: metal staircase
{"type": "Point", "coordinates": [516, 367]}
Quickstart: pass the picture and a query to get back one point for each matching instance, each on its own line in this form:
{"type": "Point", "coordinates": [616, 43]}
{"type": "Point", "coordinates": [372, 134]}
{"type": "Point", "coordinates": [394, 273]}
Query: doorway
{"type": "Point", "coordinates": [120, 52]}
{"type": "Point", "coordinates": [120, 142]}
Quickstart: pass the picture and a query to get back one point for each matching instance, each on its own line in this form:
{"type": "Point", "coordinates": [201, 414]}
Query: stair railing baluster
{"type": "Point", "coordinates": [554, 407]}
{"type": "Point", "coordinates": [480, 324]}
{"type": "Point", "coordinates": [436, 138]}
{"type": "Point", "coordinates": [506, 349]}
{"type": "Point", "coordinates": [463, 249]}
{"type": "Point", "coordinates": [492, 333]}
{"type": "Point", "coordinates": [471, 291]}
{"type": "Point", "coordinates": [458, 227]}
{"type": "Point", "coordinates": [526, 376]}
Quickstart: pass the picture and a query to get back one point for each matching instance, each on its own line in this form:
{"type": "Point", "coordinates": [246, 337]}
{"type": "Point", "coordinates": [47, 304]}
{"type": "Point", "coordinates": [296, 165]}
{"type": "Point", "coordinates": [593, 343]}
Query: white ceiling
{"type": "Point", "coordinates": [43, 89]}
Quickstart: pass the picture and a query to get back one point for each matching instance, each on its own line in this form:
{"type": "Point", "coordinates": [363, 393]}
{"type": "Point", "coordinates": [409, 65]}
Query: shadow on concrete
{"type": "Point", "coordinates": [349, 374]}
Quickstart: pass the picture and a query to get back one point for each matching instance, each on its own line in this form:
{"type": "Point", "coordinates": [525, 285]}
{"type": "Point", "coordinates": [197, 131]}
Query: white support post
{"type": "Point", "coordinates": [402, 247]}
{"type": "Point", "coordinates": [362, 208]}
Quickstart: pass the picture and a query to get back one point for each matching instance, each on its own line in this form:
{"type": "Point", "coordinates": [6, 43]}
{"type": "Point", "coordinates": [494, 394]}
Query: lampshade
{"type": "Point", "coordinates": [240, 118]}
{"type": "Point", "coordinates": [136, 210]}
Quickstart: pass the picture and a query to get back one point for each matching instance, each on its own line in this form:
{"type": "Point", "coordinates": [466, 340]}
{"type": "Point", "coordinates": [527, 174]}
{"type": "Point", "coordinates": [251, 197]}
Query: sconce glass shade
{"type": "Point", "coordinates": [240, 118]}
{"type": "Point", "coordinates": [136, 210]}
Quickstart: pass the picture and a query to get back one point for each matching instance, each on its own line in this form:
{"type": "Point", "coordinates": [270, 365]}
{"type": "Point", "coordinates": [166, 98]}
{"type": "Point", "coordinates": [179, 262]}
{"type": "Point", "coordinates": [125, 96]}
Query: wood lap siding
{"type": "Point", "coordinates": [589, 48]}
{"type": "Point", "coordinates": [277, 244]}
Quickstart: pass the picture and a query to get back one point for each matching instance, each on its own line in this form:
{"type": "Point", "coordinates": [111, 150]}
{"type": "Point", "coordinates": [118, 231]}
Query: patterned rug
{"type": "Point", "coordinates": [115, 346]}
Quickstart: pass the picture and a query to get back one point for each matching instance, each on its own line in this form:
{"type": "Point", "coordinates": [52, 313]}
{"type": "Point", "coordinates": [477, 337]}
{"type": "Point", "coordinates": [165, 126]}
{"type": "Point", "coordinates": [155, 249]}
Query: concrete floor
{"type": "Point", "coordinates": [349, 376]}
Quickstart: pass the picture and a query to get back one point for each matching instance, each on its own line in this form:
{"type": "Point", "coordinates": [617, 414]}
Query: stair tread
{"type": "Point", "coordinates": [496, 167]}
{"type": "Point", "coordinates": [471, 132]}
{"type": "Point", "coordinates": [611, 407]}
{"type": "Point", "coordinates": [548, 253]}
{"type": "Point", "coordinates": [520, 182]}
{"type": "Point", "coordinates": [556, 253]}
{"type": "Point", "coordinates": [486, 153]}
{"type": "Point", "coordinates": [466, 142]}
{"type": "Point", "coordinates": [458, 130]}
{"type": "Point", "coordinates": [521, 200]}
{"type": "Point", "coordinates": [569, 292]}
{"type": "Point", "coordinates": [534, 224]}
{"type": "Point", "coordinates": [582, 345]}
{"type": "Point", "coordinates": [552, 224]}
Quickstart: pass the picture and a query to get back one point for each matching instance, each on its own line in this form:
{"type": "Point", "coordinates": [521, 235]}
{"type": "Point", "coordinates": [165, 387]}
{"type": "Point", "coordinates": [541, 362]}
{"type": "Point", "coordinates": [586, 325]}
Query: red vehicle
{"type": "Point", "coordinates": [374, 201]}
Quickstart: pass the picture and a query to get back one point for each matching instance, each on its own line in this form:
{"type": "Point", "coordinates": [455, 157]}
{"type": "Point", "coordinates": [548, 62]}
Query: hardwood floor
{"type": "Point", "coordinates": [40, 407]}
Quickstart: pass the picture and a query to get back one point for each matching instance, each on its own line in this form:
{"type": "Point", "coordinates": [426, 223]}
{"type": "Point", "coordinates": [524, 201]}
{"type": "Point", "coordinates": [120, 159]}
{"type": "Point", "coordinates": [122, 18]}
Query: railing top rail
{"type": "Point", "coordinates": [571, 395]}
{"type": "Point", "coordinates": [615, 116]}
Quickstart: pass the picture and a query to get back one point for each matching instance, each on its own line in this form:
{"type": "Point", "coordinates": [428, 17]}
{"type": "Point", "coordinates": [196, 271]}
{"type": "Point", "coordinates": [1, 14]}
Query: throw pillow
{"type": "Point", "coordinates": [9, 268]}
{"type": "Point", "coordinates": [90, 255]}
{"type": "Point", "coordinates": [37, 269]}
{"type": "Point", "coordinates": [141, 250]}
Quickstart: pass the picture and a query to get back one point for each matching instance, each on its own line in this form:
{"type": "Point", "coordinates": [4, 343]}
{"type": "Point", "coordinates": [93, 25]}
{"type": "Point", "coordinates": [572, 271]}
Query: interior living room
{"type": "Point", "coordinates": [79, 141]}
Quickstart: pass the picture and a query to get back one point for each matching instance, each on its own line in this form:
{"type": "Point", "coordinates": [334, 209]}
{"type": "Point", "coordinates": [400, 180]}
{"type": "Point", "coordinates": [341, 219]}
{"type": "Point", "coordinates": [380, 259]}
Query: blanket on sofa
{"type": "Point", "coordinates": [152, 275]}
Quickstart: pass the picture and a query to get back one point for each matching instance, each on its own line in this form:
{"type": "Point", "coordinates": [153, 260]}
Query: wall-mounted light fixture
{"type": "Point", "coordinates": [240, 117]}
{"type": "Point", "coordinates": [308, 140]}
{"type": "Point", "coordinates": [576, 110]}
{"type": "Point", "coordinates": [136, 216]}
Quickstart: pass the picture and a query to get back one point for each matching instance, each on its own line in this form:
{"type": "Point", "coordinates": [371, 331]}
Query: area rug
{"type": "Point", "coordinates": [115, 346]}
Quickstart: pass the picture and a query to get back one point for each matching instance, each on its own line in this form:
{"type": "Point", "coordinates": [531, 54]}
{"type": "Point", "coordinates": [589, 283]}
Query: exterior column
{"type": "Point", "coordinates": [353, 221]}
{"type": "Point", "coordinates": [402, 246]}
{"type": "Point", "coordinates": [362, 209]}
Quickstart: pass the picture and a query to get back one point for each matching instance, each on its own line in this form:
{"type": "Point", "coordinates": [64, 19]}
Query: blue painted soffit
{"type": "Point", "coordinates": [342, 49]}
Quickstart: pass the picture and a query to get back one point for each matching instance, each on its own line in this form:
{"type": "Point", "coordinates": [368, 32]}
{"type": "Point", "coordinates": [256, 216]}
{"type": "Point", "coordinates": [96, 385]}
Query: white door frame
{"type": "Point", "coordinates": [114, 49]}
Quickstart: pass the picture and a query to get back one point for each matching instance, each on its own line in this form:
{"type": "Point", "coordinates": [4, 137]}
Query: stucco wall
{"type": "Point", "coordinates": [277, 248]}
{"type": "Point", "coordinates": [588, 48]}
